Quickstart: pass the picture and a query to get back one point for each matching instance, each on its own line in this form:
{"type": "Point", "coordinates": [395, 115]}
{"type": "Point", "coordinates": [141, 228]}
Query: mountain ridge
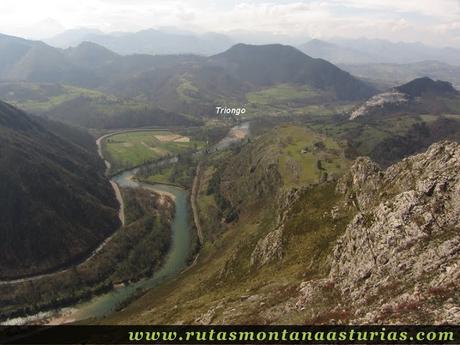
{"type": "Point", "coordinates": [147, 41]}
{"type": "Point", "coordinates": [261, 65]}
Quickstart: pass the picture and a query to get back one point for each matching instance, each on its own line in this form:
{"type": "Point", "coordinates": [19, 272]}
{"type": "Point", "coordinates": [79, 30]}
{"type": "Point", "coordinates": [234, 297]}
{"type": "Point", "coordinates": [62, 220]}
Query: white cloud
{"type": "Point", "coordinates": [436, 8]}
{"type": "Point", "coordinates": [431, 21]}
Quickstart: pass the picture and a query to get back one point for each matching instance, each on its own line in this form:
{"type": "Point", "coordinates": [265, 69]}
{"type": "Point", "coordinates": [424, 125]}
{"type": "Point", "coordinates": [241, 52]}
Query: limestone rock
{"type": "Point", "coordinates": [268, 249]}
{"type": "Point", "coordinates": [401, 251]}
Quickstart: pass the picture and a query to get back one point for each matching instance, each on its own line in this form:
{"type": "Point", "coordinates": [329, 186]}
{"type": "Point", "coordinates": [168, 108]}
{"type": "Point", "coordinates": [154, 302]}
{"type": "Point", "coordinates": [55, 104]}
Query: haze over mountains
{"type": "Point", "coordinates": [179, 83]}
{"type": "Point", "coordinates": [153, 88]}
{"type": "Point", "coordinates": [166, 41]}
{"type": "Point", "coordinates": [362, 50]}
{"type": "Point", "coordinates": [392, 74]}
{"type": "Point", "coordinates": [385, 63]}
{"type": "Point", "coordinates": [388, 63]}
{"type": "Point", "coordinates": [150, 41]}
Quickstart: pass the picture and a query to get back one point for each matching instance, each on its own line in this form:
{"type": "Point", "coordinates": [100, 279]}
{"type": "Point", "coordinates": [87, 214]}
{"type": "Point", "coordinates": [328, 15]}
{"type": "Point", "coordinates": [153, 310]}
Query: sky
{"type": "Point", "coordinates": [435, 22]}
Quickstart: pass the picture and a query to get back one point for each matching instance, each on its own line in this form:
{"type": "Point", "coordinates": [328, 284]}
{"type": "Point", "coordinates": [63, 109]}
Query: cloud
{"type": "Point", "coordinates": [437, 8]}
{"type": "Point", "coordinates": [422, 20]}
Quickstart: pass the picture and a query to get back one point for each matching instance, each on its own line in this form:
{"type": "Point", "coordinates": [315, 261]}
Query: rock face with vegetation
{"type": "Point", "coordinates": [269, 248]}
{"type": "Point", "coordinates": [398, 258]}
{"type": "Point", "coordinates": [380, 102]}
{"type": "Point", "coordinates": [419, 96]}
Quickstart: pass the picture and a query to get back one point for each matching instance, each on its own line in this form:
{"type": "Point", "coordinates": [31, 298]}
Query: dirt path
{"type": "Point", "coordinates": [193, 197]}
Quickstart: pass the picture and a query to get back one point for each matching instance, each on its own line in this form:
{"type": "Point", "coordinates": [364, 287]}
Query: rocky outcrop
{"type": "Point", "coordinates": [400, 255]}
{"type": "Point", "coordinates": [268, 249]}
{"type": "Point", "coordinates": [380, 102]}
{"type": "Point", "coordinates": [418, 96]}
{"type": "Point", "coordinates": [361, 183]}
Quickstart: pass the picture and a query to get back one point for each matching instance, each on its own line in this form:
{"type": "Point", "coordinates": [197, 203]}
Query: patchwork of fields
{"type": "Point", "coordinates": [135, 148]}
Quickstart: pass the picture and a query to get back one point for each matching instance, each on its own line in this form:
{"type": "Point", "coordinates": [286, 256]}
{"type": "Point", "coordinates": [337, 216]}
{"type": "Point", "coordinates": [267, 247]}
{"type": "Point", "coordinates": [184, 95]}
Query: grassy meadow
{"type": "Point", "coordinates": [131, 149]}
{"type": "Point", "coordinates": [306, 156]}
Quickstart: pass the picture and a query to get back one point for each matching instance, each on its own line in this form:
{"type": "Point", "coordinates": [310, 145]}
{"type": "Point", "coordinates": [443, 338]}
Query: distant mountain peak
{"type": "Point", "coordinates": [258, 47]}
{"type": "Point", "coordinates": [318, 42]}
{"type": "Point", "coordinates": [87, 46]}
{"type": "Point", "coordinates": [152, 41]}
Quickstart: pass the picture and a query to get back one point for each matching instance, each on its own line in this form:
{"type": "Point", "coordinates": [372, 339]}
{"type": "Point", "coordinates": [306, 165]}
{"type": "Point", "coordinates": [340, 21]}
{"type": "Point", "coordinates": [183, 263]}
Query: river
{"type": "Point", "coordinates": [176, 259]}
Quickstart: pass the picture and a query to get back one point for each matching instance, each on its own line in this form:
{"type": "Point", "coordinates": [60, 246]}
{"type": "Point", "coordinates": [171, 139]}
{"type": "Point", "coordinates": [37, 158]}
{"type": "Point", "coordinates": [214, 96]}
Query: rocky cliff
{"type": "Point", "coordinates": [398, 260]}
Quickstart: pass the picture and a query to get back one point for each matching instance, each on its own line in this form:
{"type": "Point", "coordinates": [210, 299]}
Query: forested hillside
{"type": "Point", "coordinates": [56, 205]}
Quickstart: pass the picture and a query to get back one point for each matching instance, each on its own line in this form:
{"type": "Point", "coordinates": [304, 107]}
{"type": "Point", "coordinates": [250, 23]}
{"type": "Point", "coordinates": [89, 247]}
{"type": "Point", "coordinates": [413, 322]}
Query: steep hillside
{"type": "Point", "coordinates": [399, 255]}
{"type": "Point", "coordinates": [376, 246]}
{"type": "Point", "coordinates": [56, 203]}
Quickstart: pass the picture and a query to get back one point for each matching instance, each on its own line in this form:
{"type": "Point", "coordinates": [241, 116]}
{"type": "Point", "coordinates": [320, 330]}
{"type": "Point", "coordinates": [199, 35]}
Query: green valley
{"type": "Point", "coordinates": [137, 191]}
{"type": "Point", "coordinates": [229, 272]}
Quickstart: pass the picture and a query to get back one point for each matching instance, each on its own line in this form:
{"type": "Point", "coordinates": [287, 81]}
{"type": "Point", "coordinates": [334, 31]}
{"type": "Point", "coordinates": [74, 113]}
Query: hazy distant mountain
{"type": "Point", "coordinates": [395, 74]}
{"type": "Point", "coordinates": [150, 41]}
{"type": "Point", "coordinates": [335, 53]}
{"type": "Point", "coordinates": [56, 204]}
{"type": "Point", "coordinates": [92, 55]}
{"type": "Point", "coordinates": [383, 51]}
{"type": "Point", "coordinates": [12, 48]}
{"type": "Point", "coordinates": [44, 28]}
{"type": "Point", "coordinates": [36, 61]}
{"type": "Point", "coordinates": [71, 38]}
{"type": "Point", "coordinates": [371, 51]}
{"type": "Point", "coordinates": [263, 37]}
{"type": "Point", "coordinates": [87, 65]}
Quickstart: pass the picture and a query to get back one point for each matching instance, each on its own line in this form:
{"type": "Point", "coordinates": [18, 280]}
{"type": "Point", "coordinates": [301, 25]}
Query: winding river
{"type": "Point", "coordinates": [175, 262]}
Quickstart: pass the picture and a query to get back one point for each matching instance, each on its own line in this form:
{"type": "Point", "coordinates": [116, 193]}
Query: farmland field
{"type": "Point", "coordinates": [135, 148]}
